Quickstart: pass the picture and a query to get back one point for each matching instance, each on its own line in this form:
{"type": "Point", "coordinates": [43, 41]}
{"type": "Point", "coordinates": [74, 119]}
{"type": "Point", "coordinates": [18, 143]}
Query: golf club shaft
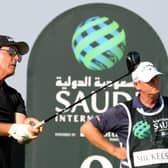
{"type": "Point", "coordinates": [80, 100]}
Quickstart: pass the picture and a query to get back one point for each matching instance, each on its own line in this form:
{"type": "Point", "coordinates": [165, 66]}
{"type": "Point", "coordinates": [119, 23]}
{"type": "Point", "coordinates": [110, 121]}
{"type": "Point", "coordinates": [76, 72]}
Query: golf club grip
{"type": "Point", "coordinates": [38, 125]}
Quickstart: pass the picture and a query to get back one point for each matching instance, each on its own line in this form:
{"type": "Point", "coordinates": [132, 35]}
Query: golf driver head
{"type": "Point", "coordinates": [132, 60]}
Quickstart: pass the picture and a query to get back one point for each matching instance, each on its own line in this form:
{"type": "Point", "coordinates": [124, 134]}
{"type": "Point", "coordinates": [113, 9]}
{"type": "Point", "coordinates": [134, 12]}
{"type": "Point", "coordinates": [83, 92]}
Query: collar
{"type": "Point", "coordinates": [137, 104]}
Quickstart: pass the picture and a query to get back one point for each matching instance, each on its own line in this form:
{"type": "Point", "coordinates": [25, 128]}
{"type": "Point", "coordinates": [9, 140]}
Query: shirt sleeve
{"type": "Point", "coordinates": [15, 99]}
{"type": "Point", "coordinates": [114, 119]}
{"type": "Point", "coordinates": [20, 104]}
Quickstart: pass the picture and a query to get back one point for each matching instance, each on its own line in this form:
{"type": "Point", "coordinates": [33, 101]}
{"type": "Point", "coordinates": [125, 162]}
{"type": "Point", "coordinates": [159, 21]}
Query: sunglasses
{"type": "Point", "coordinates": [12, 52]}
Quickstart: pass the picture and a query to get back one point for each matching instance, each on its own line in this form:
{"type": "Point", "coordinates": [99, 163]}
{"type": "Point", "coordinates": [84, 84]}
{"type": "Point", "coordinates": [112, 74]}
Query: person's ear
{"type": "Point", "coordinates": [136, 85]}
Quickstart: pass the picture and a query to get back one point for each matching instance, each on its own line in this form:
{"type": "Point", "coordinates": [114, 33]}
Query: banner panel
{"type": "Point", "coordinates": [81, 50]}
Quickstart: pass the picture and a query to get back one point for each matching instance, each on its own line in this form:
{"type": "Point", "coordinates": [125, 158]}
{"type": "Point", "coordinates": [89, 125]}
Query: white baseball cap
{"type": "Point", "coordinates": [144, 72]}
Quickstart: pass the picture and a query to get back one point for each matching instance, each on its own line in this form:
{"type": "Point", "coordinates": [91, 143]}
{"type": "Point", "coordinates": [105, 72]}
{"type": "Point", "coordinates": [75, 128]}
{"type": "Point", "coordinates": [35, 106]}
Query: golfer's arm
{"type": "Point", "coordinates": [97, 138]}
{"type": "Point", "coordinates": [19, 117]}
{"type": "Point", "coordinates": [4, 128]}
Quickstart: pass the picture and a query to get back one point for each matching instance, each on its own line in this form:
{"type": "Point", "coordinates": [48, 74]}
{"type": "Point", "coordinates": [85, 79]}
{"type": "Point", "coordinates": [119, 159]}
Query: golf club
{"type": "Point", "coordinates": [132, 60]}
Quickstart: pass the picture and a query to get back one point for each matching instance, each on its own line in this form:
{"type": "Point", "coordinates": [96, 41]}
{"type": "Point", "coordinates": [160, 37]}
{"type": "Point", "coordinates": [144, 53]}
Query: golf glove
{"type": "Point", "coordinates": [20, 132]}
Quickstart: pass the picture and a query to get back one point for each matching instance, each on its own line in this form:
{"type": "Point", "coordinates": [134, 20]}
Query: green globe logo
{"type": "Point", "coordinates": [141, 130]}
{"type": "Point", "coordinates": [99, 43]}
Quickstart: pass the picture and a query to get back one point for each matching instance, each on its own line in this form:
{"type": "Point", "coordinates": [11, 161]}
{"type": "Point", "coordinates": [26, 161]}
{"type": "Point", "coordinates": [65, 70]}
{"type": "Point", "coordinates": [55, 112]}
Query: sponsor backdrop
{"type": "Point", "coordinates": [79, 51]}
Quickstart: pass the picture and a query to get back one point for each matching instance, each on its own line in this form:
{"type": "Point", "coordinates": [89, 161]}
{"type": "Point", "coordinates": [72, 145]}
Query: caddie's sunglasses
{"type": "Point", "coordinates": [12, 52]}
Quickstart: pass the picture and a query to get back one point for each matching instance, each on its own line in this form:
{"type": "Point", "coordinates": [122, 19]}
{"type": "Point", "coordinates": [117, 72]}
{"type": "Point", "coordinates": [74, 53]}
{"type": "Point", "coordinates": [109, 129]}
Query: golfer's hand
{"type": "Point", "coordinates": [120, 153]}
{"type": "Point", "coordinates": [23, 133]}
{"type": "Point", "coordinates": [33, 122]}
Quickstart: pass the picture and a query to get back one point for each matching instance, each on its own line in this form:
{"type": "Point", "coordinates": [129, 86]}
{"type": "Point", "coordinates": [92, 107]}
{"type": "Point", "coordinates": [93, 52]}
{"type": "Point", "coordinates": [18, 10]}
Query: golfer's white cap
{"type": "Point", "coordinates": [144, 72]}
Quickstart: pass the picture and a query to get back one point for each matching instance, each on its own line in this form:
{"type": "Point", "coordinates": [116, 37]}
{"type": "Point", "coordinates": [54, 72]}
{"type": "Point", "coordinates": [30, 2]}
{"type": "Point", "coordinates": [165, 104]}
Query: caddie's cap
{"type": "Point", "coordinates": [22, 47]}
{"type": "Point", "coordinates": [144, 72]}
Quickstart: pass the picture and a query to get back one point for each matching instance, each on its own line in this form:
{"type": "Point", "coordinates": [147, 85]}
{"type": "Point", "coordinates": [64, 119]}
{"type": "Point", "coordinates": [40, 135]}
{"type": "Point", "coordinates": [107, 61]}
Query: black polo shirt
{"type": "Point", "coordinates": [10, 102]}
